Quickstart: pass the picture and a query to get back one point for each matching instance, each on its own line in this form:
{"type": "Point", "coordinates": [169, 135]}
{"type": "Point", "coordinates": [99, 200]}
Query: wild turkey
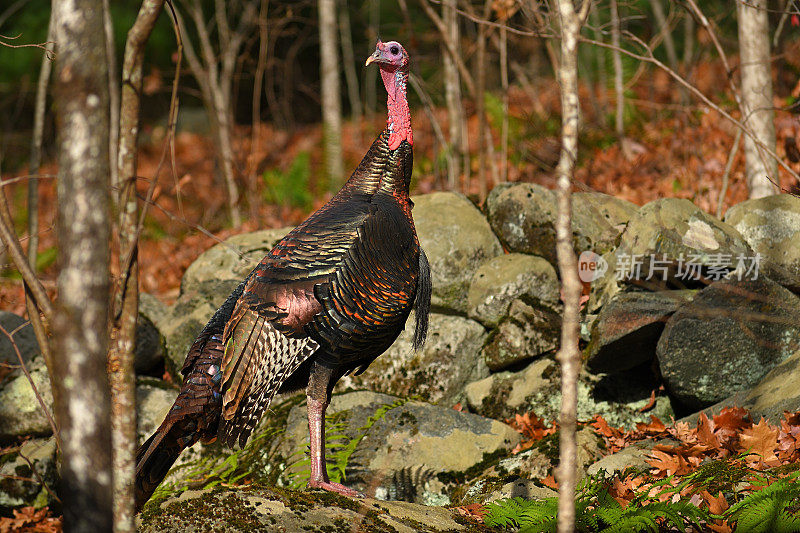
{"type": "Point", "coordinates": [326, 301]}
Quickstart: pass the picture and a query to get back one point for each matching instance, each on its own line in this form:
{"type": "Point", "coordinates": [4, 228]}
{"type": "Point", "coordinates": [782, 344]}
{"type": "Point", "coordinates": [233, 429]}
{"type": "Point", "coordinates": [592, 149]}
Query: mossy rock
{"type": "Point", "coordinates": [457, 240]}
{"type": "Point", "coordinates": [727, 339]}
{"type": "Point", "coordinates": [771, 226]}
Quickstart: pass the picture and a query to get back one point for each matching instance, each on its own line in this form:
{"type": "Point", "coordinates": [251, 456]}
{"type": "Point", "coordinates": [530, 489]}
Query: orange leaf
{"type": "Point", "coordinates": [550, 481]}
{"type": "Point", "coordinates": [665, 463]}
{"type": "Point", "coordinates": [650, 403]}
{"type": "Point", "coordinates": [705, 432]}
{"type": "Point", "coordinates": [473, 510]}
{"type": "Point", "coordinates": [716, 504]}
{"type": "Point", "coordinates": [761, 439]}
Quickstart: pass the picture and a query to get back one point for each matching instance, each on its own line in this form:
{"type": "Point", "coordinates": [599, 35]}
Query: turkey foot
{"type": "Point", "coordinates": [335, 487]}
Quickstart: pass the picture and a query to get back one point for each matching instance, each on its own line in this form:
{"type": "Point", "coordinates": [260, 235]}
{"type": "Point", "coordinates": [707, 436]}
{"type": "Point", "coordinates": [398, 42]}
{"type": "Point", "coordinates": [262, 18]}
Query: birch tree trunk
{"type": "Point", "coordinates": [331, 93]}
{"type": "Point", "coordinates": [619, 89]}
{"type": "Point", "coordinates": [80, 324]}
{"type": "Point", "coordinates": [452, 96]}
{"type": "Point", "coordinates": [757, 96]}
{"type": "Point", "coordinates": [480, 105]}
{"type": "Point", "coordinates": [568, 354]}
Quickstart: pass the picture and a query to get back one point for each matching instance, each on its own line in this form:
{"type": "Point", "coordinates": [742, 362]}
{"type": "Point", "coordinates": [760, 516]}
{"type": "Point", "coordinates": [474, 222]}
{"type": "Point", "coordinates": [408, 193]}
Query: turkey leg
{"type": "Point", "coordinates": [320, 382]}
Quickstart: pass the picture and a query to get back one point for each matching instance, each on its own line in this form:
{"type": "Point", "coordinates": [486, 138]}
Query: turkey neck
{"type": "Point", "coordinates": [399, 121]}
{"type": "Point", "coordinates": [386, 167]}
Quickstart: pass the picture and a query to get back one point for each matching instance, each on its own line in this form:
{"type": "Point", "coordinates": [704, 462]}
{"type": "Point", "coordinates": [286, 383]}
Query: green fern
{"type": "Point", "coordinates": [208, 472]}
{"type": "Point", "coordinates": [597, 510]}
{"type": "Point", "coordinates": [773, 508]}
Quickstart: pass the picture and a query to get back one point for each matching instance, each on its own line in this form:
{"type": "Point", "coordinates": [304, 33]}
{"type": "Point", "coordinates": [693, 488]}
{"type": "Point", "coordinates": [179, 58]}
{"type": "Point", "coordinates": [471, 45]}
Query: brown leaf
{"type": "Point", "coordinates": [532, 429]}
{"type": "Point", "coordinates": [716, 504]}
{"type": "Point", "coordinates": [705, 432]}
{"type": "Point", "coordinates": [475, 511]}
{"type": "Point", "coordinates": [664, 463]}
{"type": "Point", "coordinates": [761, 439]}
{"type": "Point", "coordinates": [29, 520]}
{"type": "Point", "coordinates": [650, 403]}
{"type": "Point", "coordinates": [550, 481]}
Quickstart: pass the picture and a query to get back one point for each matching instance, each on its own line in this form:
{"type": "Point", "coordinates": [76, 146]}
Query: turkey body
{"type": "Point", "coordinates": [327, 300]}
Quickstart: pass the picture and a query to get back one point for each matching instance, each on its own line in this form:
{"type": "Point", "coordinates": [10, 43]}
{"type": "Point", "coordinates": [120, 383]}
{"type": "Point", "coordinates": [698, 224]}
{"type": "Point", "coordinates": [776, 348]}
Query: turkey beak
{"type": "Point", "coordinates": [376, 55]}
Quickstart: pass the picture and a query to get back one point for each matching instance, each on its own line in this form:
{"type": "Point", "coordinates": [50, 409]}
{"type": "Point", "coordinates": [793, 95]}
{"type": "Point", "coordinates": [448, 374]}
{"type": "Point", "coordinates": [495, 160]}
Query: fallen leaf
{"type": "Point", "coordinates": [474, 510]}
{"type": "Point", "coordinates": [762, 440]}
{"type": "Point", "coordinates": [705, 432]}
{"type": "Point", "coordinates": [650, 403]}
{"type": "Point", "coordinates": [716, 504]}
{"type": "Point", "coordinates": [550, 481]}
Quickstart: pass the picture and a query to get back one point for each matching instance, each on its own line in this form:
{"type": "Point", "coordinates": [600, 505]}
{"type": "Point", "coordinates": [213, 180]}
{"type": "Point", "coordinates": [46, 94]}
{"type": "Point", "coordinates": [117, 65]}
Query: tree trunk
{"type": "Point", "coordinates": [80, 325]}
{"type": "Point", "coordinates": [371, 76]}
{"type": "Point", "coordinates": [480, 105]}
{"type": "Point", "coordinates": [756, 102]}
{"type": "Point", "coordinates": [452, 95]}
{"type": "Point", "coordinates": [504, 85]}
{"type": "Point", "coordinates": [255, 128]}
{"type": "Point", "coordinates": [666, 30]}
{"type": "Point", "coordinates": [121, 355]}
{"type": "Point", "coordinates": [349, 60]}
{"type": "Point", "coordinates": [214, 75]}
{"type": "Point", "coordinates": [331, 93]}
{"type": "Point", "coordinates": [619, 89]}
{"type": "Point", "coordinates": [568, 354]}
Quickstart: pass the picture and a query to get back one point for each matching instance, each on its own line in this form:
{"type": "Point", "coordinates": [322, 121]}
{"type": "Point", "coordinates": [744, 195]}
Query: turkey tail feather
{"type": "Point", "coordinates": [155, 458]}
{"type": "Point", "coordinates": [422, 302]}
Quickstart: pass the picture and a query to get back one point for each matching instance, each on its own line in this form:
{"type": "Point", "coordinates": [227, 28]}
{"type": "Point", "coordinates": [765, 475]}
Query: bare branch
{"type": "Point", "coordinates": [46, 46]}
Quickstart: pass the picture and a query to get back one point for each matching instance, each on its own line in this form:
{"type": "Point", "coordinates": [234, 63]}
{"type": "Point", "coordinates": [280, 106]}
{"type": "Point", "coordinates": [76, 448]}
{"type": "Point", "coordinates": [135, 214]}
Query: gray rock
{"type": "Point", "coordinates": [532, 328]}
{"type": "Point", "coordinates": [504, 394]}
{"type": "Point", "coordinates": [457, 240]}
{"type": "Point", "coordinates": [154, 310]}
{"type": "Point", "coordinates": [778, 391]}
{"type": "Point", "coordinates": [437, 374]}
{"type": "Point", "coordinates": [151, 347]}
{"type": "Point", "coordinates": [507, 277]}
{"type": "Point", "coordinates": [19, 485]}
{"type": "Point", "coordinates": [186, 318]}
{"type": "Point", "coordinates": [664, 245]}
{"type": "Point", "coordinates": [537, 388]}
{"type": "Point", "coordinates": [410, 437]}
{"type": "Point", "coordinates": [771, 226]}
{"type": "Point", "coordinates": [598, 219]}
{"type": "Point", "coordinates": [231, 259]}
{"type": "Point", "coordinates": [523, 215]}
{"type": "Point", "coordinates": [521, 488]}
{"type": "Point", "coordinates": [727, 339]}
{"type": "Point", "coordinates": [153, 401]}
{"type": "Point", "coordinates": [271, 509]}
{"type": "Point", "coordinates": [626, 333]}
{"type": "Point", "coordinates": [20, 411]}
{"type": "Point", "coordinates": [634, 456]}
{"type": "Point", "coordinates": [23, 337]}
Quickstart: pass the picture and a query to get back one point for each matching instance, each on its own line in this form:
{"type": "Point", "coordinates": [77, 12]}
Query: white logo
{"type": "Point", "coordinates": [591, 266]}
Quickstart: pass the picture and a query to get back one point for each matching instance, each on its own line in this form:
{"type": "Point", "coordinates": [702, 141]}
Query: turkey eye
{"type": "Point", "coordinates": [394, 50]}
